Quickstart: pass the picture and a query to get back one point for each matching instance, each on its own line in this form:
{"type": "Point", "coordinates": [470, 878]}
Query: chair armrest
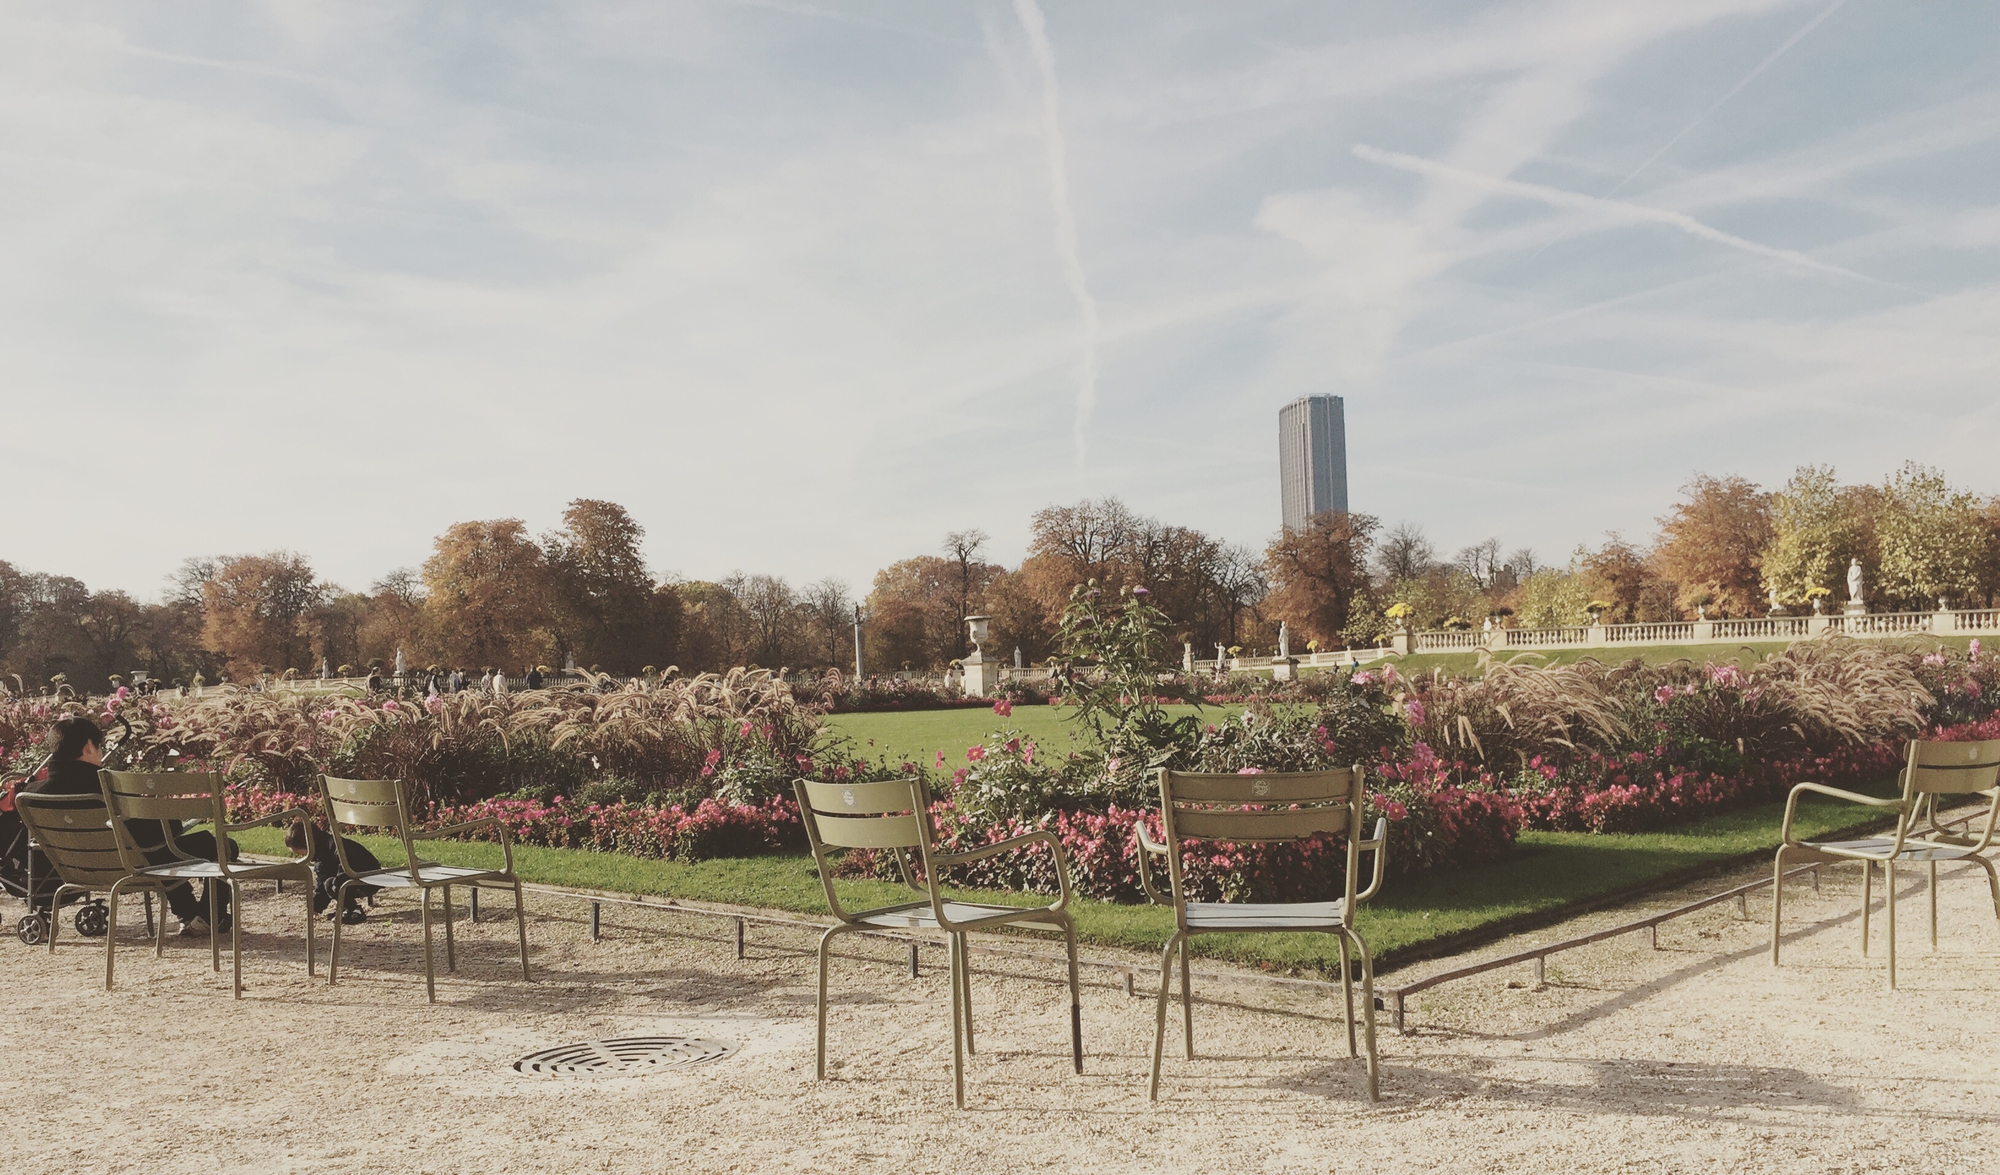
{"type": "Point", "coordinates": [1015, 842]}
{"type": "Point", "coordinates": [1148, 847]}
{"type": "Point", "coordinates": [1792, 804]}
{"type": "Point", "coordinates": [492, 822]}
{"type": "Point", "coordinates": [1379, 845]}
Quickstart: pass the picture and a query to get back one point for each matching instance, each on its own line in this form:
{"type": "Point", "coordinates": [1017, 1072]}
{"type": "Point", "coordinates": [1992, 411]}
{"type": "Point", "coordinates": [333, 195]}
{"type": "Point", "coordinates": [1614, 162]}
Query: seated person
{"type": "Point", "coordinates": [328, 876]}
{"type": "Point", "coordinates": [73, 772]}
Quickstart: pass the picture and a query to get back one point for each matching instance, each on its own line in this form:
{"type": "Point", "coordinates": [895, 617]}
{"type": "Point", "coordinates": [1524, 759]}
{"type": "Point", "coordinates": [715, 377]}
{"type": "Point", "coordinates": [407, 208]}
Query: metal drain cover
{"type": "Point", "coordinates": [624, 1056]}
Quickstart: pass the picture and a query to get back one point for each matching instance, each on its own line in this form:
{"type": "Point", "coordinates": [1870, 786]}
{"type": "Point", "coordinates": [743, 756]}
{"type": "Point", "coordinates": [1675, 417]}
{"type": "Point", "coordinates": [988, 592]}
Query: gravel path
{"type": "Point", "coordinates": [1698, 1056]}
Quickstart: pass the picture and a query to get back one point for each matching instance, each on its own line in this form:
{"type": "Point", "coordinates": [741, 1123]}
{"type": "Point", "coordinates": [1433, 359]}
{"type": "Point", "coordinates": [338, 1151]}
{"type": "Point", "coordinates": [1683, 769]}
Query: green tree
{"type": "Point", "coordinates": [1814, 535]}
{"type": "Point", "coordinates": [1555, 598]}
{"type": "Point", "coordinates": [1930, 537]}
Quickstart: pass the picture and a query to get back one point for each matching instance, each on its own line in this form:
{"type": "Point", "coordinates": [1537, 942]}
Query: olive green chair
{"type": "Point", "coordinates": [893, 817]}
{"type": "Point", "coordinates": [172, 798]}
{"type": "Point", "coordinates": [1262, 808]}
{"type": "Point", "coordinates": [1934, 773]}
{"type": "Point", "coordinates": [73, 834]}
{"type": "Point", "coordinates": [356, 804]}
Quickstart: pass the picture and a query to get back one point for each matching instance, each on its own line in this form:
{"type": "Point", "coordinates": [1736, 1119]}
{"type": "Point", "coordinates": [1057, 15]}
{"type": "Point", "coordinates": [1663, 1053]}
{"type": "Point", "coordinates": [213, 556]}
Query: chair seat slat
{"type": "Point", "coordinates": [1265, 787]}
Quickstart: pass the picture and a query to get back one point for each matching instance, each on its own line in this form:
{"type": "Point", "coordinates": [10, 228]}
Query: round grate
{"type": "Point", "coordinates": [625, 1056]}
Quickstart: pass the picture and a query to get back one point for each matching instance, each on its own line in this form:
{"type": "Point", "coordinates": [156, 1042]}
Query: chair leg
{"type": "Point", "coordinates": [450, 951]}
{"type": "Point", "coordinates": [521, 925]}
{"type": "Point", "coordinates": [1075, 997]}
{"type": "Point", "coordinates": [1867, 901]}
{"type": "Point", "coordinates": [149, 913]}
{"type": "Point", "coordinates": [312, 946]}
{"type": "Point", "coordinates": [236, 938]}
{"type": "Point", "coordinates": [430, 968]}
{"type": "Point", "coordinates": [825, 950]}
{"type": "Point", "coordinates": [333, 956]}
{"type": "Point", "coordinates": [55, 908]}
{"type": "Point", "coordinates": [111, 933]}
{"type": "Point", "coordinates": [1160, 1016]}
{"type": "Point", "coordinates": [214, 917]}
{"type": "Point", "coordinates": [1347, 990]}
{"type": "Point", "coordinates": [160, 927]}
{"type": "Point", "coordinates": [1368, 1017]}
{"type": "Point", "coordinates": [960, 1026]}
{"type": "Point", "coordinates": [1777, 902]}
{"type": "Point", "coordinates": [964, 980]}
{"type": "Point", "coordinates": [1187, 1002]}
{"type": "Point", "coordinates": [1889, 883]}
{"type": "Point", "coordinates": [1933, 888]}
{"type": "Point", "coordinates": [1992, 881]}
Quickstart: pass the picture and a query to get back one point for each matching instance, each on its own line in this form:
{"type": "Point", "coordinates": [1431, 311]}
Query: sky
{"type": "Point", "coordinates": [806, 286]}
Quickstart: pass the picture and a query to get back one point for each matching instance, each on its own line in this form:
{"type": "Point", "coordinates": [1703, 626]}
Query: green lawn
{"type": "Point", "coordinates": [920, 734]}
{"type": "Point", "coordinates": [1547, 874]}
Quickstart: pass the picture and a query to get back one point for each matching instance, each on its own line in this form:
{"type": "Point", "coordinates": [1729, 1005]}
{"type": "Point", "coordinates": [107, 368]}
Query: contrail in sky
{"type": "Point", "coordinates": [1616, 208]}
{"type": "Point", "coordinates": [1030, 14]}
{"type": "Point", "coordinates": [1734, 90]}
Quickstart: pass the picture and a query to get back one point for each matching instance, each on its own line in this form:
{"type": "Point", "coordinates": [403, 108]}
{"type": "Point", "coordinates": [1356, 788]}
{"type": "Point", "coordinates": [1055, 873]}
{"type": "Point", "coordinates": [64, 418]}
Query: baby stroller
{"type": "Point", "coordinates": [26, 874]}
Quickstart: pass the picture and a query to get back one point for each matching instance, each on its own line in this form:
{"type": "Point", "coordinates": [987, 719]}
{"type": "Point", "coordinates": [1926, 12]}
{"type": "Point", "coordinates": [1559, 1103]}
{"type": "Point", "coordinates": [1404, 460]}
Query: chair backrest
{"type": "Point", "coordinates": [1259, 808]}
{"type": "Point", "coordinates": [1933, 771]}
{"type": "Point", "coordinates": [367, 803]}
{"type": "Point", "coordinates": [166, 796]}
{"type": "Point", "coordinates": [891, 815]}
{"type": "Point", "coordinates": [74, 834]}
{"type": "Point", "coordinates": [1941, 768]}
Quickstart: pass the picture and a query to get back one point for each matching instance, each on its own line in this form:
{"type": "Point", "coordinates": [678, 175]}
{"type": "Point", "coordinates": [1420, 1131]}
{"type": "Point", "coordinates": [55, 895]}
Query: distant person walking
{"type": "Point", "coordinates": [534, 677]}
{"type": "Point", "coordinates": [499, 682]}
{"type": "Point", "coordinates": [486, 681]}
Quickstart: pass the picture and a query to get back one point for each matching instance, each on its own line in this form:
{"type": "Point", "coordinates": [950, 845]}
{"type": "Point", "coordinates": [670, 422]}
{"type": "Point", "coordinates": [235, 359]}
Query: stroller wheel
{"type": "Point", "coordinates": [93, 920]}
{"type": "Point", "coordinates": [31, 929]}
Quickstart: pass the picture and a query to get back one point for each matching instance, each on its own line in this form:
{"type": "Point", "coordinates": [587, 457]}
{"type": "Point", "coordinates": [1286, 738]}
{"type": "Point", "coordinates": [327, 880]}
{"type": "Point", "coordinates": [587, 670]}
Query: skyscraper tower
{"type": "Point", "coordinates": [1312, 458]}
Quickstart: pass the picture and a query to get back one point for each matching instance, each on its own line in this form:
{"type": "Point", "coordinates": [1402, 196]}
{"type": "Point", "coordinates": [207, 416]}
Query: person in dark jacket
{"type": "Point", "coordinates": [328, 876]}
{"type": "Point", "coordinates": [73, 772]}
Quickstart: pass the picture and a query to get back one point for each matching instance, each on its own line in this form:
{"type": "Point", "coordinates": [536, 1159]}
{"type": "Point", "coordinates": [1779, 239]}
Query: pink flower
{"type": "Point", "coordinates": [1028, 753]}
{"type": "Point", "coordinates": [743, 729]}
{"type": "Point", "coordinates": [940, 761]}
{"type": "Point", "coordinates": [1249, 771]}
{"type": "Point", "coordinates": [1664, 694]}
{"type": "Point", "coordinates": [1142, 593]}
{"type": "Point", "coordinates": [975, 754]}
{"type": "Point", "coordinates": [958, 777]}
{"type": "Point", "coordinates": [1415, 710]}
{"type": "Point", "coordinates": [1004, 708]}
{"type": "Point", "coordinates": [1113, 764]}
{"type": "Point", "coordinates": [714, 757]}
{"type": "Point", "coordinates": [434, 704]}
{"type": "Point", "coordinates": [1972, 651]}
{"type": "Point", "coordinates": [391, 705]}
{"type": "Point", "coordinates": [1013, 745]}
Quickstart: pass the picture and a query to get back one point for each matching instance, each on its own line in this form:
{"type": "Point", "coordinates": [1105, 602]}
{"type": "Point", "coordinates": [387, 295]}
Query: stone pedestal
{"type": "Point", "coordinates": [1593, 636]}
{"type": "Point", "coordinates": [982, 677]}
{"type": "Point", "coordinates": [1284, 668]}
{"type": "Point", "coordinates": [1855, 608]}
{"type": "Point", "coordinates": [1399, 641]}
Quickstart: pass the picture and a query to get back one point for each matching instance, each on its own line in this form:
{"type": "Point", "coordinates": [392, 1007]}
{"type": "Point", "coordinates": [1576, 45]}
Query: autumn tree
{"type": "Point", "coordinates": [1815, 533]}
{"type": "Point", "coordinates": [1623, 576]}
{"type": "Point", "coordinates": [254, 610]}
{"type": "Point", "coordinates": [600, 592]}
{"type": "Point", "coordinates": [913, 614]}
{"type": "Point", "coordinates": [1316, 572]}
{"type": "Point", "coordinates": [1712, 544]}
{"type": "Point", "coordinates": [827, 611]}
{"type": "Point", "coordinates": [1930, 538]}
{"type": "Point", "coordinates": [486, 595]}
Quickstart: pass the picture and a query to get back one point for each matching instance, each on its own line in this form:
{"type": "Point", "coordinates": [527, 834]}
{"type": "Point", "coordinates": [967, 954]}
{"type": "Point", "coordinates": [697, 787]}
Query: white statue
{"type": "Point", "coordinates": [1854, 581]}
{"type": "Point", "coordinates": [399, 660]}
{"type": "Point", "coordinates": [1284, 641]}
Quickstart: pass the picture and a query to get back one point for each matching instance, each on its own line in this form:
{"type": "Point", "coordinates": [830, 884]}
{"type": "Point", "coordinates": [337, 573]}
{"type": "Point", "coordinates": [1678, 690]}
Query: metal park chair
{"type": "Point", "coordinates": [171, 797]}
{"type": "Point", "coordinates": [73, 834]}
{"type": "Point", "coordinates": [1933, 772]}
{"type": "Point", "coordinates": [382, 803]}
{"type": "Point", "coordinates": [894, 816]}
{"type": "Point", "coordinates": [1273, 807]}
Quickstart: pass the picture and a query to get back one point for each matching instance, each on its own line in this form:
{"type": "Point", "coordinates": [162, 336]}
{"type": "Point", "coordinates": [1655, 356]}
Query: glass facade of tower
{"type": "Point", "coordinates": [1312, 458]}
